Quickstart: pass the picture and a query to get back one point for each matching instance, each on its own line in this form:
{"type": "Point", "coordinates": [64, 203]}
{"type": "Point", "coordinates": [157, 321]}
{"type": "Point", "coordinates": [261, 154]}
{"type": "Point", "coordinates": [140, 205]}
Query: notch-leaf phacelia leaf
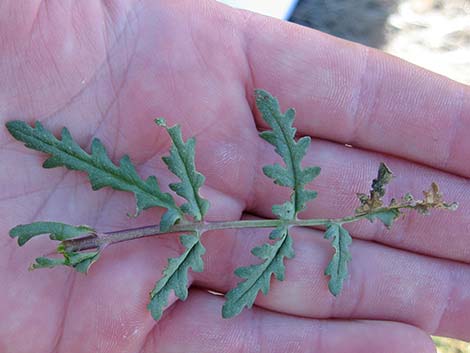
{"type": "Point", "coordinates": [181, 163]}
{"type": "Point", "coordinates": [56, 231]}
{"type": "Point", "coordinates": [282, 137]}
{"type": "Point", "coordinates": [80, 261]}
{"type": "Point", "coordinates": [337, 269]}
{"type": "Point", "coordinates": [81, 246]}
{"type": "Point", "coordinates": [100, 169]}
{"type": "Point", "coordinates": [258, 277]}
{"type": "Point", "coordinates": [175, 275]}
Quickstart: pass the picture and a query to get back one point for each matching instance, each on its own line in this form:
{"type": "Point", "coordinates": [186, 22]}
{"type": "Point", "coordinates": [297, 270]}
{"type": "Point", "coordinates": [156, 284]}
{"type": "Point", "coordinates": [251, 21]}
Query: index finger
{"type": "Point", "coordinates": [355, 95]}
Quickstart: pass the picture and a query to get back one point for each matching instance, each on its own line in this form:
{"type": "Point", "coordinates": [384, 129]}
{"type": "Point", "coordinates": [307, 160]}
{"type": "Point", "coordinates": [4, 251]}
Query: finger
{"type": "Point", "coordinates": [196, 326]}
{"type": "Point", "coordinates": [31, 306]}
{"type": "Point", "coordinates": [347, 171]}
{"type": "Point", "coordinates": [383, 284]}
{"type": "Point", "coordinates": [353, 94]}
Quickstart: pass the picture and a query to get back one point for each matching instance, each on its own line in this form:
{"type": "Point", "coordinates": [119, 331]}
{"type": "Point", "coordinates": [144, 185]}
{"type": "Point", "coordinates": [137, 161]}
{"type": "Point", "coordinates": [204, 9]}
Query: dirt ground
{"type": "Point", "coordinates": [434, 34]}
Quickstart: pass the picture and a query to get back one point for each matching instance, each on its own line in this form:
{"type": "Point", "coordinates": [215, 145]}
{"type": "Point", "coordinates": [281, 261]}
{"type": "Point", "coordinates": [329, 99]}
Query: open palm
{"type": "Point", "coordinates": [107, 69]}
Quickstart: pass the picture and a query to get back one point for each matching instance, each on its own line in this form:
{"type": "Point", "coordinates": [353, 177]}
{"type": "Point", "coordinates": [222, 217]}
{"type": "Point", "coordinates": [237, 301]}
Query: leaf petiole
{"type": "Point", "coordinates": [104, 239]}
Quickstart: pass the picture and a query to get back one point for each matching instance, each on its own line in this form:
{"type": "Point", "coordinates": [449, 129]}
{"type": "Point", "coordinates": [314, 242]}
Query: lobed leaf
{"type": "Point", "coordinates": [387, 216]}
{"type": "Point", "coordinates": [338, 267]}
{"type": "Point", "coordinates": [175, 275]}
{"type": "Point", "coordinates": [258, 277]}
{"type": "Point", "coordinates": [101, 170]}
{"type": "Point", "coordinates": [81, 262]}
{"type": "Point", "coordinates": [282, 137]}
{"type": "Point", "coordinates": [46, 262]}
{"type": "Point", "coordinates": [56, 231]}
{"type": "Point", "coordinates": [181, 163]}
{"type": "Point", "coordinates": [292, 175]}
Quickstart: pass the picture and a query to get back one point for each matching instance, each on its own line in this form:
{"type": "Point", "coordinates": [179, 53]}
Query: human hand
{"type": "Point", "coordinates": [107, 69]}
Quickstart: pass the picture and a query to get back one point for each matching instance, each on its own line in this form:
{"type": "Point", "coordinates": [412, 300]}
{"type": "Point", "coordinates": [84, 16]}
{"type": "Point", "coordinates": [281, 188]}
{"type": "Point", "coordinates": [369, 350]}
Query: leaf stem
{"type": "Point", "coordinates": [101, 240]}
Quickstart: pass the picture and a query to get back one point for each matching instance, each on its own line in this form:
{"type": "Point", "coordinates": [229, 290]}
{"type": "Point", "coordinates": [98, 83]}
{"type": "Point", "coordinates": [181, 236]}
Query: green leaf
{"type": "Point", "coordinates": [175, 275]}
{"type": "Point", "coordinates": [282, 137]}
{"type": "Point", "coordinates": [258, 277]}
{"type": "Point", "coordinates": [181, 163]}
{"type": "Point", "coordinates": [338, 267]}
{"type": "Point", "coordinates": [56, 231]}
{"type": "Point", "coordinates": [45, 262]}
{"type": "Point", "coordinates": [81, 262]}
{"type": "Point", "coordinates": [387, 217]}
{"type": "Point", "coordinates": [284, 211]}
{"type": "Point", "coordinates": [292, 175]}
{"type": "Point", "coordinates": [101, 170]}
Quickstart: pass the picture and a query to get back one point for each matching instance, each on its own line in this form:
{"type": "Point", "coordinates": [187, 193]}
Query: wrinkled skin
{"type": "Point", "coordinates": [108, 68]}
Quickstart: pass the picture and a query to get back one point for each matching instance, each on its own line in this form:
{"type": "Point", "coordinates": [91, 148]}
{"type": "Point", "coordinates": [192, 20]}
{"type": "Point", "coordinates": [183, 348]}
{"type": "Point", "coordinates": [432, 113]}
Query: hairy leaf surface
{"type": "Point", "coordinates": [338, 267]}
{"type": "Point", "coordinates": [56, 231]}
{"type": "Point", "coordinates": [175, 275]}
{"type": "Point", "coordinates": [81, 246]}
{"type": "Point", "coordinates": [81, 262]}
{"type": "Point", "coordinates": [101, 170]}
{"type": "Point", "coordinates": [387, 217]}
{"type": "Point", "coordinates": [181, 163]}
{"type": "Point", "coordinates": [258, 277]}
{"type": "Point", "coordinates": [282, 137]}
{"type": "Point", "coordinates": [46, 262]}
{"type": "Point", "coordinates": [292, 175]}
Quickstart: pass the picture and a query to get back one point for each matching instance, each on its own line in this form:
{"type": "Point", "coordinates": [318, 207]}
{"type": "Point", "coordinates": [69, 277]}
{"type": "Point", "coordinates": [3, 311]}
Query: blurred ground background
{"type": "Point", "coordinates": [434, 34]}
